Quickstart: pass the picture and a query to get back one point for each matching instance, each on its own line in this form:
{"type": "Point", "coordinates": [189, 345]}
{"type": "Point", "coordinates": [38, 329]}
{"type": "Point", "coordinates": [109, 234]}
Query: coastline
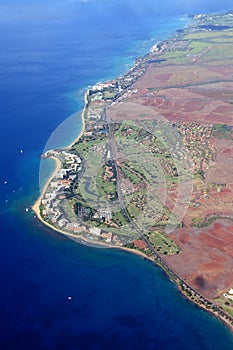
{"type": "Point", "coordinates": [83, 121]}
{"type": "Point", "coordinates": [226, 322]}
{"type": "Point", "coordinates": [74, 237]}
{"type": "Point", "coordinates": [36, 209]}
{"type": "Point", "coordinates": [36, 205]}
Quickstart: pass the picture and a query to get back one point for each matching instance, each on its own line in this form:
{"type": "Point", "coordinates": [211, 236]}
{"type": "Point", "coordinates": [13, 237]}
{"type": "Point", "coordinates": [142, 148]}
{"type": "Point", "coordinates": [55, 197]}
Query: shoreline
{"type": "Point", "coordinates": [83, 122]}
{"type": "Point", "coordinates": [177, 280]}
{"type": "Point", "coordinates": [226, 323]}
{"type": "Point", "coordinates": [77, 239]}
{"type": "Point", "coordinates": [36, 205]}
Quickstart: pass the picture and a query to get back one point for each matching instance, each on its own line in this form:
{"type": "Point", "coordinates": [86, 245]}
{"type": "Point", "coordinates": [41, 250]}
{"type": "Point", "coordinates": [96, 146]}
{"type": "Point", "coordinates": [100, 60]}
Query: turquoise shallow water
{"type": "Point", "coordinates": [49, 56]}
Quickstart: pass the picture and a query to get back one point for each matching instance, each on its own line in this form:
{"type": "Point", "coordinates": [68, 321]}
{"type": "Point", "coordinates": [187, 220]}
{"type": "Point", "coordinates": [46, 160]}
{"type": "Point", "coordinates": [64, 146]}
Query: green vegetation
{"type": "Point", "coordinates": [218, 52]}
{"type": "Point", "coordinates": [130, 175]}
{"type": "Point", "coordinates": [175, 57]}
{"type": "Point", "coordinates": [135, 168]}
{"type": "Point", "coordinates": [146, 251]}
{"type": "Point", "coordinates": [226, 304]}
{"type": "Point", "coordinates": [197, 221]}
{"type": "Point", "coordinates": [41, 208]}
{"type": "Point", "coordinates": [83, 211]}
{"type": "Point", "coordinates": [208, 35]}
{"type": "Point", "coordinates": [223, 131]}
{"type": "Point", "coordinates": [108, 95]}
{"type": "Point", "coordinates": [197, 47]}
{"type": "Point", "coordinates": [83, 147]}
{"type": "Point", "coordinates": [133, 211]}
{"type": "Point", "coordinates": [205, 222]}
{"type": "Point", "coordinates": [162, 242]}
{"type": "Point", "coordinates": [228, 310]}
{"type": "Point", "coordinates": [119, 218]}
{"type": "Point", "coordinates": [106, 181]}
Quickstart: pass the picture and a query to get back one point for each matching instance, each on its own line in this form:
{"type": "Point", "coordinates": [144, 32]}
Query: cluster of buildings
{"type": "Point", "coordinates": [139, 201]}
{"type": "Point", "coordinates": [95, 113]}
{"type": "Point", "coordinates": [51, 203]}
{"type": "Point", "coordinates": [229, 294]}
{"type": "Point", "coordinates": [113, 91]}
{"type": "Point", "coordinates": [197, 138]}
{"type": "Point", "coordinates": [103, 214]}
{"type": "Point", "coordinates": [91, 233]}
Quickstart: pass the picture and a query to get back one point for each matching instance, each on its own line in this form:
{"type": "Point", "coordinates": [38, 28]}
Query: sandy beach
{"type": "Point", "coordinates": [36, 205]}
{"type": "Point", "coordinates": [83, 122]}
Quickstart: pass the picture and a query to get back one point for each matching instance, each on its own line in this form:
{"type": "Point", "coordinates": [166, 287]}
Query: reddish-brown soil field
{"type": "Point", "coordinates": [173, 104]}
{"type": "Point", "coordinates": [139, 244]}
{"type": "Point", "coordinates": [179, 93]}
{"type": "Point", "coordinates": [206, 260]}
{"type": "Point", "coordinates": [202, 93]}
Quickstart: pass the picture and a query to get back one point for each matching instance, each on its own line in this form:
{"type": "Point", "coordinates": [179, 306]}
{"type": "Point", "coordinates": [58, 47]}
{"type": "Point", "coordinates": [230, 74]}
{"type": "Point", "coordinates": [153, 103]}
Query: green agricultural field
{"type": "Point", "coordinates": [209, 34]}
{"type": "Point", "coordinates": [219, 52]}
{"type": "Point", "coordinates": [197, 47]}
{"type": "Point", "coordinates": [162, 243]}
{"type": "Point", "coordinates": [222, 40]}
{"type": "Point", "coordinates": [176, 57]}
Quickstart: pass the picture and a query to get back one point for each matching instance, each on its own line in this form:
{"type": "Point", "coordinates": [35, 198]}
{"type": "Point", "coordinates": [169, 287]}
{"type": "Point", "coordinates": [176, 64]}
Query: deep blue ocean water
{"type": "Point", "coordinates": [49, 54]}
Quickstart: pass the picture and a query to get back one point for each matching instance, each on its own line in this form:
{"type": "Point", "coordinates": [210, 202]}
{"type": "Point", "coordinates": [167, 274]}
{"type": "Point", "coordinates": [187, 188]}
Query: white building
{"type": "Point", "coordinates": [95, 231]}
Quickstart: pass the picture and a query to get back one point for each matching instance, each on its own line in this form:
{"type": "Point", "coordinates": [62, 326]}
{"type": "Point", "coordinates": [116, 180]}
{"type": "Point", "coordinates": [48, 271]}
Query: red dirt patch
{"type": "Point", "coordinates": [211, 241]}
{"type": "Point", "coordinates": [139, 243]}
{"type": "Point", "coordinates": [206, 260]}
{"type": "Point", "coordinates": [185, 238]}
{"type": "Point", "coordinates": [176, 92]}
{"type": "Point", "coordinates": [225, 191]}
{"type": "Point", "coordinates": [217, 225]}
{"type": "Point", "coordinates": [162, 77]}
{"type": "Point", "coordinates": [225, 236]}
{"type": "Point", "coordinates": [217, 257]}
{"type": "Point", "coordinates": [211, 267]}
{"type": "Point", "coordinates": [227, 151]}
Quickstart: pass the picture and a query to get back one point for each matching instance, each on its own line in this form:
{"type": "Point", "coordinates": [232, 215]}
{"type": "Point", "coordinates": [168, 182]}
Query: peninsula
{"type": "Point", "coordinates": [151, 171]}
